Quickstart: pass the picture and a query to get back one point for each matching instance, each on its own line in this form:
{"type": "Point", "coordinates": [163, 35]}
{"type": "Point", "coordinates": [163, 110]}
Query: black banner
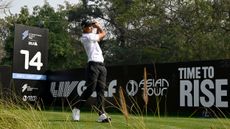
{"type": "Point", "coordinates": [184, 87]}
{"type": "Point", "coordinates": [171, 87]}
{"type": "Point", "coordinates": [5, 81]}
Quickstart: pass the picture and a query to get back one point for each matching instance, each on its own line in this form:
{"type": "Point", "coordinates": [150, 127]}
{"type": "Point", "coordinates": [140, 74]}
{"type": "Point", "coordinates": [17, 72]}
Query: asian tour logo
{"type": "Point", "coordinates": [157, 87]}
{"type": "Point", "coordinates": [198, 87]}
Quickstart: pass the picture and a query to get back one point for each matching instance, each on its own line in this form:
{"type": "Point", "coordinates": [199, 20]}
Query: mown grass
{"type": "Point", "coordinates": [16, 114]}
{"type": "Point", "coordinates": [61, 120]}
{"type": "Point", "coordinates": [36, 119]}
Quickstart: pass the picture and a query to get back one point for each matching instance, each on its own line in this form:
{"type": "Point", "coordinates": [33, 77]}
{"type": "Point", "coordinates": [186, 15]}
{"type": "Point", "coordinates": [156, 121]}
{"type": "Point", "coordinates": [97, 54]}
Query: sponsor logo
{"type": "Point", "coordinates": [132, 88]}
{"type": "Point", "coordinates": [31, 37]}
{"type": "Point", "coordinates": [25, 87]}
{"type": "Point", "coordinates": [29, 98]}
{"type": "Point", "coordinates": [157, 87]}
{"type": "Point", "coordinates": [25, 34]}
{"type": "Point", "coordinates": [62, 89]}
{"type": "Point", "coordinates": [198, 87]}
{"type": "Point", "coordinates": [65, 88]}
{"type": "Point", "coordinates": [33, 43]}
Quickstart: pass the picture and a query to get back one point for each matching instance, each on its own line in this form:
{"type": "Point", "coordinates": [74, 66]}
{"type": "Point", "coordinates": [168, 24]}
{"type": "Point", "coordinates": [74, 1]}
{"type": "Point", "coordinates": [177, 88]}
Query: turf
{"type": "Point", "coordinates": [62, 120]}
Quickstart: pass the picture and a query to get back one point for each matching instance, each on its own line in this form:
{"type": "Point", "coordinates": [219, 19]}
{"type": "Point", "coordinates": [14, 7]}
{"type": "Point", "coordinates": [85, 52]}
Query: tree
{"type": "Point", "coordinates": [3, 5]}
{"type": "Point", "coordinates": [174, 30]}
{"type": "Point", "coordinates": [139, 31]}
{"type": "Point", "coordinates": [60, 43]}
{"type": "Point", "coordinates": [197, 26]}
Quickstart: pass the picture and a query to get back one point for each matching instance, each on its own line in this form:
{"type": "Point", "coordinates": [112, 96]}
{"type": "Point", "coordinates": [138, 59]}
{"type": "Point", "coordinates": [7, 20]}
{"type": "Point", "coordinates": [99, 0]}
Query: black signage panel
{"type": "Point", "coordinates": [30, 61]}
{"type": "Point", "coordinates": [30, 53]}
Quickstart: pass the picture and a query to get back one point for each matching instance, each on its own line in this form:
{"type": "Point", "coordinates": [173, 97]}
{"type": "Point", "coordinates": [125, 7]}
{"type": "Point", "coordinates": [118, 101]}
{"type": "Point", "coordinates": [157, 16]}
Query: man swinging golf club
{"type": "Point", "coordinates": [95, 71]}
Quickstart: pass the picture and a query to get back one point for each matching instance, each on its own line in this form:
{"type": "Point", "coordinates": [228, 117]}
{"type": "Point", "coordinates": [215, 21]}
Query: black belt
{"type": "Point", "coordinates": [95, 63]}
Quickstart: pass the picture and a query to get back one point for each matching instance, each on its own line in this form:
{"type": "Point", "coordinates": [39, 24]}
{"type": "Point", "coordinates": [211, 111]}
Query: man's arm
{"type": "Point", "coordinates": [100, 31]}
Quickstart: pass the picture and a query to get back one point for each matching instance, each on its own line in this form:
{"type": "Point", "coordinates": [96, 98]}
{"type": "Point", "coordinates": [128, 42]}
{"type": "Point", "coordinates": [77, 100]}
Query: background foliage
{"type": "Point", "coordinates": [139, 31]}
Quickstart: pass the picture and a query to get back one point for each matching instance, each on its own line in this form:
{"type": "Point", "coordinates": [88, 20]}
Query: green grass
{"type": "Point", "coordinates": [20, 115]}
{"type": "Point", "coordinates": [14, 117]}
{"type": "Point", "coordinates": [25, 116]}
{"type": "Point", "coordinates": [62, 120]}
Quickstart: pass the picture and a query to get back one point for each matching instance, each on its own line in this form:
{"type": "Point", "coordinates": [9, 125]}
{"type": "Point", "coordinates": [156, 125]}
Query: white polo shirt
{"type": "Point", "coordinates": [92, 48]}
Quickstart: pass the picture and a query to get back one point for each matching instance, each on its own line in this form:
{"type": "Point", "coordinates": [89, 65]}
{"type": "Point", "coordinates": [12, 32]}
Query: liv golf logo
{"type": "Point", "coordinates": [65, 88]}
{"type": "Point", "coordinates": [198, 87]}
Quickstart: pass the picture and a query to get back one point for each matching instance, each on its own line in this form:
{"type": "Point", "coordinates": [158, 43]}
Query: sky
{"type": "Point", "coordinates": [16, 5]}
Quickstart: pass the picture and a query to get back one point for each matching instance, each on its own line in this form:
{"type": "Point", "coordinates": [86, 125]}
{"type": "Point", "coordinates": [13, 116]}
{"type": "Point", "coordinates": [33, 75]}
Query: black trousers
{"type": "Point", "coordinates": [95, 80]}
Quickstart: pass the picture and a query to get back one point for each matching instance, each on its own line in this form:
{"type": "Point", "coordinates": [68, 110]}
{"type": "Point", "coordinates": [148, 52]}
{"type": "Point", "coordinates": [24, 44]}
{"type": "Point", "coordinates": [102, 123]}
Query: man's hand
{"type": "Point", "coordinates": [100, 31]}
{"type": "Point", "coordinates": [96, 24]}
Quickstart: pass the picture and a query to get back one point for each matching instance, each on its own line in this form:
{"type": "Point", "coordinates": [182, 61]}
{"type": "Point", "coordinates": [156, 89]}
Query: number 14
{"type": "Point", "coordinates": [35, 61]}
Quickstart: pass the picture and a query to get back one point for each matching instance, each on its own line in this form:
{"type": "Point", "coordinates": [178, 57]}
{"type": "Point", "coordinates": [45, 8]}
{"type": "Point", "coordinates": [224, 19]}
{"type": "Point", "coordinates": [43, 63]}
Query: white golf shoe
{"type": "Point", "coordinates": [103, 118]}
{"type": "Point", "coordinates": [76, 114]}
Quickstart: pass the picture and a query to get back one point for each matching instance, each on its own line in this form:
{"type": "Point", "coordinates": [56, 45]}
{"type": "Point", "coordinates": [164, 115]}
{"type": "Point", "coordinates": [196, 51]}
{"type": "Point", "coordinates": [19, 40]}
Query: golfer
{"type": "Point", "coordinates": [95, 71]}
